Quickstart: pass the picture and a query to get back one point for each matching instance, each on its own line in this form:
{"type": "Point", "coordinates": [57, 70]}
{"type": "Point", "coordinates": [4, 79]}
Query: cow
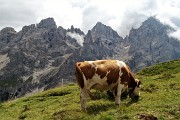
{"type": "Point", "coordinates": [103, 75]}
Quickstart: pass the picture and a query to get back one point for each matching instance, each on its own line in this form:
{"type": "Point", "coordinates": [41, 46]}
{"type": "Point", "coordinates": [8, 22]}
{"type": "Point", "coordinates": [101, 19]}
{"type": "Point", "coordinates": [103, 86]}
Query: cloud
{"type": "Point", "coordinates": [121, 15]}
{"type": "Point", "coordinates": [17, 13]}
{"type": "Point", "coordinates": [65, 12]}
{"type": "Point", "coordinates": [91, 15]}
{"type": "Point", "coordinates": [130, 20]}
{"type": "Point", "coordinates": [79, 38]}
{"type": "Point", "coordinates": [175, 34]}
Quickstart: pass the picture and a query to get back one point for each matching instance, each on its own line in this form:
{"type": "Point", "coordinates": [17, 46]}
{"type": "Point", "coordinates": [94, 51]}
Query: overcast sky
{"type": "Point", "coordinates": [121, 15]}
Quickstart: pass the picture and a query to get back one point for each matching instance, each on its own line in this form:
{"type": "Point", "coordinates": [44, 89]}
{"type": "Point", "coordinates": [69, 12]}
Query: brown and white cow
{"type": "Point", "coordinates": [105, 75]}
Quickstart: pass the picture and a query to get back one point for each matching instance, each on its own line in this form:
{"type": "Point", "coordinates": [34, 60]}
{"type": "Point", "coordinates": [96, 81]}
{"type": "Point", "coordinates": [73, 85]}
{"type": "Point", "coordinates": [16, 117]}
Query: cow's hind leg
{"type": "Point", "coordinates": [117, 94]}
{"type": "Point", "coordinates": [83, 99]}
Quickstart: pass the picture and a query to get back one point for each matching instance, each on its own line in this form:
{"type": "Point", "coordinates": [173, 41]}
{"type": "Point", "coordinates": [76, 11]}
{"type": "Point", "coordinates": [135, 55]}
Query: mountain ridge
{"type": "Point", "coordinates": [41, 55]}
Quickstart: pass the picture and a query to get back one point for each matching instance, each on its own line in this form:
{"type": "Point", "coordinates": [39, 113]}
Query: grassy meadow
{"type": "Point", "coordinates": [160, 97]}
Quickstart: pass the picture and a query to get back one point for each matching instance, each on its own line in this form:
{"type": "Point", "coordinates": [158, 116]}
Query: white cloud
{"type": "Point", "coordinates": [175, 34]}
{"type": "Point", "coordinates": [64, 12]}
{"type": "Point", "coordinates": [79, 38]}
{"type": "Point", "coordinates": [17, 13]}
{"type": "Point", "coordinates": [121, 15]}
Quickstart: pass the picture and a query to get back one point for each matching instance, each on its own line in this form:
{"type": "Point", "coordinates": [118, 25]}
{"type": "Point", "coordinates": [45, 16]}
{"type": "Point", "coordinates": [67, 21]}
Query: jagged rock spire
{"type": "Point", "coordinates": [47, 23]}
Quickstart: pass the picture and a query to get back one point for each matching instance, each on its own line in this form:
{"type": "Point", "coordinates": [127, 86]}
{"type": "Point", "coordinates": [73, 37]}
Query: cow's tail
{"type": "Point", "coordinates": [81, 82]}
{"type": "Point", "coordinates": [79, 76]}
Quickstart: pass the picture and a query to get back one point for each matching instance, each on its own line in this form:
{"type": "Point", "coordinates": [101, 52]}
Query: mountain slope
{"type": "Point", "coordinates": [159, 98]}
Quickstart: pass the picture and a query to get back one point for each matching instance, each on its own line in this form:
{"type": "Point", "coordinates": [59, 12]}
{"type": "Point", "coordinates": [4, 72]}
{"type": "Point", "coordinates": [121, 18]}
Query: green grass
{"type": "Point", "coordinates": [160, 97]}
{"type": "Point", "coordinates": [170, 67]}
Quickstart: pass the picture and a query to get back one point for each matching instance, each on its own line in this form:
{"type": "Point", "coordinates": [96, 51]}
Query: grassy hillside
{"type": "Point", "coordinates": [160, 97]}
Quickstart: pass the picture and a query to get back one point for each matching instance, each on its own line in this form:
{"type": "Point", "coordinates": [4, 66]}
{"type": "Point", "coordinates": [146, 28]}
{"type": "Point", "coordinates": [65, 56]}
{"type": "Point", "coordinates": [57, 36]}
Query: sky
{"type": "Point", "coordinates": [121, 15]}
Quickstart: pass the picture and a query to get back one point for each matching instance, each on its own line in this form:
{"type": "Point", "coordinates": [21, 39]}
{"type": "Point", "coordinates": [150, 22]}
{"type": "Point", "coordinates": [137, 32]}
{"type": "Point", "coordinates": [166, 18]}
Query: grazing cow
{"type": "Point", "coordinates": [105, 75]}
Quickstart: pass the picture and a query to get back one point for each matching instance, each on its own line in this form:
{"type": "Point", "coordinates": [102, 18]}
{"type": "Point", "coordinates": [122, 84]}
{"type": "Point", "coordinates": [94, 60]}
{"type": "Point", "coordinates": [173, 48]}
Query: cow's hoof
{"type": "Point", "coordinates": [117, 104]}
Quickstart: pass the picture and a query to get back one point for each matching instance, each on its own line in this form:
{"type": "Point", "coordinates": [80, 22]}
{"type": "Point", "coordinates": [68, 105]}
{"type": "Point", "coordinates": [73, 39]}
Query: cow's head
{"type": "Point", "coordinates": [134, 92]}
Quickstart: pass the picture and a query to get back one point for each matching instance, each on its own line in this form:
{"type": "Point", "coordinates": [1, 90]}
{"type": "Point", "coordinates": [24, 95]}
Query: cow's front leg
{"type": "Point", "coordinates": [117, 94]}
{"type": "Point", "coordinates": [83, 99]}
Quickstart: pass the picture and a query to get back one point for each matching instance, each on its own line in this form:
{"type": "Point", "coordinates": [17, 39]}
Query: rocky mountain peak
{"type": "Point", "coordinates": [72, 27]}
{"type": "Point", "coordinates": [99, 25]}
{"type": "Point", "coordinates": [7, 30]}
{"type": "Point", "coordinates": [104, 32]}
{"type": "Point", "coordinates": [6, 36]}
{"type": "Point", "coordinates": [151, 27]}
{"type": "Point", "coordinates": [88, 39]}
{"type": "Point", "coordinates": [28, 28]}
{"type": "Point", "coordinates": [100, 28]}
{"type": "Point", "coordinates": [75, 30]}
{"type": "Point", "coordinates": [47, 23]}
{"type": "Point", "coordinates": [152, 20]}
{"type": "Point", "coordinates": [150, 43]}
{"type": "Point", "coordinates": [154, 24]}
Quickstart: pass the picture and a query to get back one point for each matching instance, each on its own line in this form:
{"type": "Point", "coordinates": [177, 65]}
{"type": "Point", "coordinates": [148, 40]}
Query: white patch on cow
{"type": "Point", "coordinates": [125, 88]}
{"type": "Point", "coordinates": [107, 73]}
{"type": "Point", "coordinates": [99, 83]}
{"type": "Point", "coordinates": [119, 89]}
{"type": "Point", "coordinates": [90, 62]}
{"type": "Point", "coordinates": [96, 82]}
{"type": "Point", "coordinates": [84, 78]}
{"type": "Point", "coordinates": [120, 64]}
{"type": "Point", "coordinates": [102, 65]}
{"type": "Point", "coordinates": [92, 65]}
